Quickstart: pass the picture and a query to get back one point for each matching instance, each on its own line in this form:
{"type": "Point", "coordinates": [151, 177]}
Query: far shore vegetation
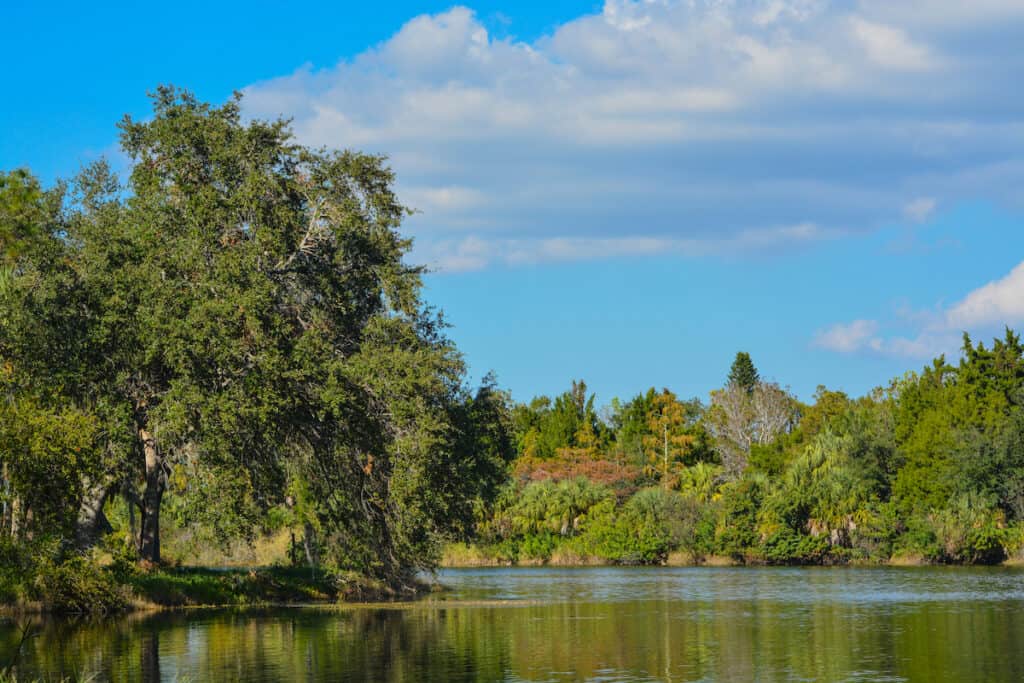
{"type": "Point", "coordinates": [223, 360]}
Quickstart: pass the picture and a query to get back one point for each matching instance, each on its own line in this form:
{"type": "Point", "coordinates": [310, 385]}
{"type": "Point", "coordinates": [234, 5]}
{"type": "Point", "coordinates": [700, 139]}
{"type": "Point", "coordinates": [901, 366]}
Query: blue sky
{"type": "Point", "coordinates": [626, 192]}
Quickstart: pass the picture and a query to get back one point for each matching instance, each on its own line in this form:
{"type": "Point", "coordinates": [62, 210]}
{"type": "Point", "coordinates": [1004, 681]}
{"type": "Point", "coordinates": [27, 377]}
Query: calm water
{"type": "Point", "coordinates": [772, 624]}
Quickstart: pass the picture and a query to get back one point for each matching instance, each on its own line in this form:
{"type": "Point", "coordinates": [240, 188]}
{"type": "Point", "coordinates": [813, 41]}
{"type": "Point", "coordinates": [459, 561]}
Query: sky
{"type": "Point", "coordinates": [627, 192]}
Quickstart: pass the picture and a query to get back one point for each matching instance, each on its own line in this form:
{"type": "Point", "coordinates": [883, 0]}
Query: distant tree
{"type": "Point", "coordinates": [629, 422]}
{"type": "Point", "coordinates": [743, 373]}
{"type": "Point", "coordinates": [637, 427]}
{"type": "Point", "coordinates": [668, 441]}
{"type": "Point", "coordinates": [544, 427]}
{"type": "Point", "coordinates": [739, 419]}
{"type": "Point", "coordinates": [955, 427]}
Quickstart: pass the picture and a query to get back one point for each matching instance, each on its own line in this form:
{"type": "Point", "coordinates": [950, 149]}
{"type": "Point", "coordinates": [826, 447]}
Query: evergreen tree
{"type": "Point", "coordinates": [743, 373]}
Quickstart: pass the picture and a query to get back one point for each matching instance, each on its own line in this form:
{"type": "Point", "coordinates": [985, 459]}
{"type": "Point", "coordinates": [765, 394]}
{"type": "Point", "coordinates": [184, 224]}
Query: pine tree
{"type": "Point", "coordinates": [743, 373]}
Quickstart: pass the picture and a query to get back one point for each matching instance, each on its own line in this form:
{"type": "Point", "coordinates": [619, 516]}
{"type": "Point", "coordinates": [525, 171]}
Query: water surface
{"type": "Point", "coordinates": [600, 624]}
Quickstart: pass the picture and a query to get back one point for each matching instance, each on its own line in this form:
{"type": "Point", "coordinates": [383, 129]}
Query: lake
{"type": "Point", "coordinates": [598, 624]}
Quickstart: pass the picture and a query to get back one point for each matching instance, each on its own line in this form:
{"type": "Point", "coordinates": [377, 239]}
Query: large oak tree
{"type": "Point", "coordinates": [240, 305]}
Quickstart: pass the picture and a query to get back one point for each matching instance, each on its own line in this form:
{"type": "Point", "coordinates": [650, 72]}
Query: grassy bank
{"type": "Point", "coordinates": [88, 588]}
{"type": "Point", "coordinates": [192, 586]}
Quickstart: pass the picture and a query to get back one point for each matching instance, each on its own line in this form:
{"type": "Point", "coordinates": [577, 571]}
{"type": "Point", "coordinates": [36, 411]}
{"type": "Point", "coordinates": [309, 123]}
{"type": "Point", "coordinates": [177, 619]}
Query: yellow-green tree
{"type": "Point", "coordinates": [669, 440]}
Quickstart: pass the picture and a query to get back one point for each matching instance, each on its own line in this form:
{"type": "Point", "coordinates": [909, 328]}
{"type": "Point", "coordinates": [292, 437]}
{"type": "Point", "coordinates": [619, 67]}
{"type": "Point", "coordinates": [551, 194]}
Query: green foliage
{"type": "Point", "coordinates": [49, 453]}
{"type": "Point", "coordinates": [46, 572]}
{"type": "Point", "coordinates": [635, 534]}
{"type": "Point", "coordinates": [180, 587]}
{"type": "Point", "coordinates": [537, 546]}
{"type": "Point", "coordinates": [931, 468]}
{"type": "Point", "coordinates": [548, 507]}
{"type": "Point", "coordinates": [234, 316]}
{"type": "Point", "coordinates": [970, 531]}
{"type": "Point", "coordinates": [743, 373]}
{"type": "Point", "coordinates": [701, 481]}
{"type": "Point", "coordinates": [543, 426]}
{"type": "Point", "coordinates": [787, 546]}
{"type": "Point", "coordinates": [640, 423]}
{"type": "Point", "coordinates": [951, 421]}
{"type": "Point", "coordinates": [76, 584]}
{"type": "Point", "coordinates": [736, 535]}
{"type": "Point", "coordinates": [23, 213]}
{"type": "Point", "coordinates": [15, 569]}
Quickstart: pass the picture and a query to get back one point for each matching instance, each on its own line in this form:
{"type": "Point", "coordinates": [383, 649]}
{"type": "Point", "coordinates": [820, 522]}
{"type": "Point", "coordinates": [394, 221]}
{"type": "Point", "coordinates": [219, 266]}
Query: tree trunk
{"type": "Point", "coordinates": [133, 538]}
{"type": "Point", "coordinates": [92, 524]}
{"type": "Point", "coordinates": [309, 544]}
{"type": "Point", "coordinates": [149, 535]}
{"type": "Point", "coordinates": [664, 471]}
{"type": "Point", "coordinates": [4, 507]}
{"type": "Point", "coordinates": [15, 517]}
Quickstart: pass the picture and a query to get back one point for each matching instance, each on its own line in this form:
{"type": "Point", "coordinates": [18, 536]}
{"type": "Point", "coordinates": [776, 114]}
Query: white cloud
{"type": "Point", "coordinates": [848, 337]}
{"type": "Point", "coordinates": [451, 197]}
{"type": "Point", "coordinates": [921, 346]}
{"type": "Point", "coordinates": [1000, 302]}
{"type": "Point", "coordinates": [864, 336]}
{"type": "Point", "coordinates": [945, 14]}
{"type": "Point", "coordinates": [996, 304]}
{"type": "Point", "coordinates": [890, 47]}
{"type": "Point", "coordinates": [474, 253]}
{"type": "Point", "coordinates": [698, 125]}
{"type": "Point", "coordinates": [919, 210]}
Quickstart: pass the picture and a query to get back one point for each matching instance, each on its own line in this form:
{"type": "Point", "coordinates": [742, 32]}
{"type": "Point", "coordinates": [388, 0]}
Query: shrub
{"type": "Point", "coordinates": [637, 534]}
{"type": "Point", "coordinates": [786, 546]}
{"type": "Point", "coordinates": [918, 539]}
{"type": "Point", "coordinates": [77, 585]}
{"type": "Point", "coordinates": [969, 531]}
{"type": "Point", "coordinates": [537, 546]}
{"type": "Point", "coordinates": [736, 534]}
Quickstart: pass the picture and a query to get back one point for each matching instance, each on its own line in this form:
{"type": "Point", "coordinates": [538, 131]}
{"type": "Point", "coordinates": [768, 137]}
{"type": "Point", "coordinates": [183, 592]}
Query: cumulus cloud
{"type": "Point", "coordinates": [698, 126]}
{"type": "Point", "coordinates": [996, 304]}
{"type": "Point", "coordinates": [868, 336]}
{"type": "Point", "coordinates": [999, 302]}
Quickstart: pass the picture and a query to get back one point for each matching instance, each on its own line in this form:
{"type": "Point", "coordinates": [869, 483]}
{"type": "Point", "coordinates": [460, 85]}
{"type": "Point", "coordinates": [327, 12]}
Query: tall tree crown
{"type": "Point", "coordinates": [743, 373]}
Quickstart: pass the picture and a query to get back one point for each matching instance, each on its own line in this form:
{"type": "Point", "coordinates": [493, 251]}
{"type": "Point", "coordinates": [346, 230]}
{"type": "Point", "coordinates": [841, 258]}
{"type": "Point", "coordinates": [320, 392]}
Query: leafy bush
{"type": "Point", "coordinates": [537, 546]}
{"type": "Point", "coordinates": [969, 531]}
{"type": "Point", "coordinates": [736, 533]}
{"type": "Point", "coordinates": [13, 570]}
{"type": "Point", "coordinates": [918, 539]}
{"type": "Point", "coordinates": [77, 585]}
{"type": "Point", "coordinates": [123, 556]}
{"type": "Point", "coordinates": [786, 546]}
{"type": "Point", "coordinates": [636, 534]}
{"type": "Point", "coordinates": [876, 535]}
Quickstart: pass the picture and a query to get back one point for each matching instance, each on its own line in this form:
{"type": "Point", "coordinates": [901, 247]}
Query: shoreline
{"type": "Point", "coordinates": [182, 588]}
{"type": "Point", "coordinates": [256, 588]}
{"type": "Point", "coordinates": [710, 561]}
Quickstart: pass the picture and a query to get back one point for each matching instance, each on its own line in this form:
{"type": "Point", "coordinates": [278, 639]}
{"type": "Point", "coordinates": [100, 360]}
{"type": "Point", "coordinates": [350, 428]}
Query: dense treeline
{"type": "Point", "coordinates": [230, 340]}
{"type": "Point", "coordinates": [930, 468]}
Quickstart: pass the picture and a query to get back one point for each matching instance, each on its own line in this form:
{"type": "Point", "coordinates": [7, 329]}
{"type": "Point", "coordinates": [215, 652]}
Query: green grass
{"type": "Point", "coordinates": [196, 586]}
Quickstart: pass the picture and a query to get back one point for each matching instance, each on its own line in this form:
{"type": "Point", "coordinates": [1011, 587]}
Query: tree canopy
{"type": "Point", "coordinates": [743, 373]}
{"type": "Point", "coordinates": [238, 312]}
